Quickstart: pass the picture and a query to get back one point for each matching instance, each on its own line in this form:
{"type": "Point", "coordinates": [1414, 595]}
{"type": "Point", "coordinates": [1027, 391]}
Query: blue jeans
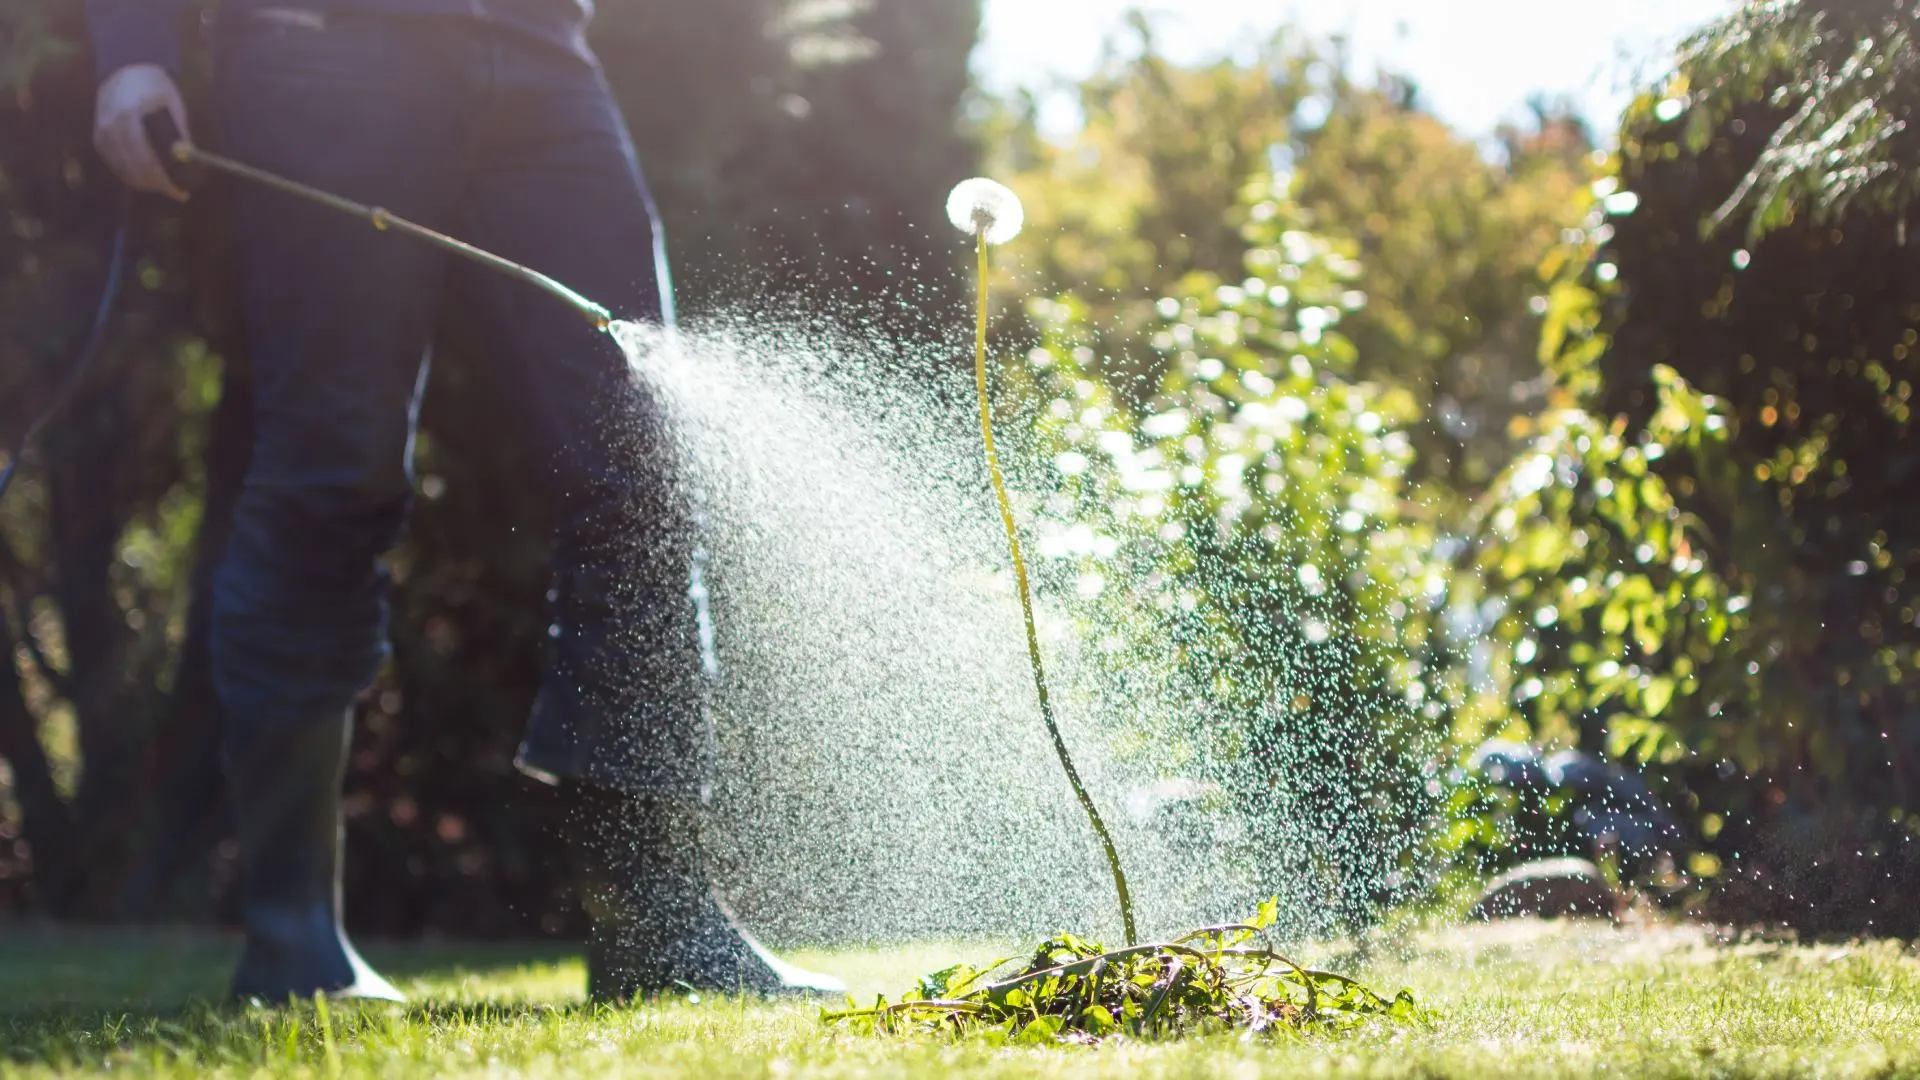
{"type": "Point", "coordinates": [514, 144]}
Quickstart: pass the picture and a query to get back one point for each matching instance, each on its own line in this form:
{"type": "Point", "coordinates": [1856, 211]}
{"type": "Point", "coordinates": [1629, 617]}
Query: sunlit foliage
{"type": "Point", "coordinates": [1245, 538]}
{"type": "Point", "coordinates": [1845, 75]}
{"type": "Point", "coordinates": [1711, 546]}
{"type": "Point", "coordinates": [1450, 234]}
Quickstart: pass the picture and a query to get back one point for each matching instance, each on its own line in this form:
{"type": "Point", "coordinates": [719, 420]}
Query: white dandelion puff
{"type": "Point", "coordinates": [985, 207]}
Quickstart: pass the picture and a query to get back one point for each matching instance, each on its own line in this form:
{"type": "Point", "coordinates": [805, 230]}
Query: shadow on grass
{"type": "Point", "coordinates": [207, 1035]}
{"type": "Point", "coordinates": [74, 998]}
{"type": "Point", "coordinates": [107, 967]}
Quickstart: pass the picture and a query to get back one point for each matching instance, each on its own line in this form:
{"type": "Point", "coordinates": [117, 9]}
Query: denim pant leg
{"type": "Point", "coordinates": [338, 317]}
{"type": "Point", "coordinates": [557, 186]}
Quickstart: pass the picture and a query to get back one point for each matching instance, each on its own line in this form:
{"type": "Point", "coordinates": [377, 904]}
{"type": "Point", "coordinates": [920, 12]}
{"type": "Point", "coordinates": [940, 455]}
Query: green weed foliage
{"type": "Point", "coordinates": [1218, 979]}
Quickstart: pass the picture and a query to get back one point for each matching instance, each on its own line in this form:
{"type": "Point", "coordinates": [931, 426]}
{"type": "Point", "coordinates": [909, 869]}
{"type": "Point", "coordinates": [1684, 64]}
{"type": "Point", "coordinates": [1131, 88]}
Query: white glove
{"type": "Point", "coordinates": [127, 97]}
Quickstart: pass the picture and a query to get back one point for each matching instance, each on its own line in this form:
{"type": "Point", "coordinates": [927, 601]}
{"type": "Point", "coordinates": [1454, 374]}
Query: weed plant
{"type": "Point", "coordinates": [1220, 978]}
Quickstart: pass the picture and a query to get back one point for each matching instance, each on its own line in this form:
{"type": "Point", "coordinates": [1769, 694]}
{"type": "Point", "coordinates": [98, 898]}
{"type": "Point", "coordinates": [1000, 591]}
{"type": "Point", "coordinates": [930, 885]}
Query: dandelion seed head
{"type": "Point", "coordinates": [986, 207]}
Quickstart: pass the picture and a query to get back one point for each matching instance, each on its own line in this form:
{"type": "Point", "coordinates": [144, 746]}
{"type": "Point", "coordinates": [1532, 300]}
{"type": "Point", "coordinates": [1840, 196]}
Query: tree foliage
{"type": "Point", "coordinates": [794, 145]}
{"type": "Point", "coordinates": [1710, 550]}
{"type": "Point", "coordinates": [1846, 75]}
{"type": "Point", "coordinates": [1139, 197]}
{"type": "Point", "coordinates": [1451, 241]}
{"type": "Point", "coordinates": [1412, 261]}
{"type": "Point", "coordinates": [1452, 245]}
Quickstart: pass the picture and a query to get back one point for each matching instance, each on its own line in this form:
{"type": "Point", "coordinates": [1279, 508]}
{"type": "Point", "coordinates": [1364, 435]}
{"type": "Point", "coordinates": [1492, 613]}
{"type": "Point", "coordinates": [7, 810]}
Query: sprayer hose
{"type": "Point", "coordinates": [89, 350]}
{"type": "Point", "coordinates": [1026, 605]}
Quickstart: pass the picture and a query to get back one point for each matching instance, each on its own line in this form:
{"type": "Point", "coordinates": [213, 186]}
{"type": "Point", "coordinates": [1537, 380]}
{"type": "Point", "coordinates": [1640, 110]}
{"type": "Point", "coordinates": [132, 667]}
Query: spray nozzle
{"type": "Point", "coordinates": [177, 155]}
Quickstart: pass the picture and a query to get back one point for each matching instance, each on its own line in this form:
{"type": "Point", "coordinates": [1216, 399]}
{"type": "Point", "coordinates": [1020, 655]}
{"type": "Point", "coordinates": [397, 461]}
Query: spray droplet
{"type": "Point", "coordinates": [986, 207]}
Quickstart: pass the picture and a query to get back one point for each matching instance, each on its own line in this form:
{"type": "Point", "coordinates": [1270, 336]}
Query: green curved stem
{"type": "Point", "coordinates": [1026, 604]}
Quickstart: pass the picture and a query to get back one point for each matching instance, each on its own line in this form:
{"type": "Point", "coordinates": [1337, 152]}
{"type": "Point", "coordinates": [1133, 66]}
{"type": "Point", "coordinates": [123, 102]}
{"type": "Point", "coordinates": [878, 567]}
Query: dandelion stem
{"type": "Point", "coordinates": [1026, 602]}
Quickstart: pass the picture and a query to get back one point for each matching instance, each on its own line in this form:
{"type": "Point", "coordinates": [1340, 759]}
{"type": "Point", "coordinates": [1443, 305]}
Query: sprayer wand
{"type": "Point", "coordinates": [163, 133]}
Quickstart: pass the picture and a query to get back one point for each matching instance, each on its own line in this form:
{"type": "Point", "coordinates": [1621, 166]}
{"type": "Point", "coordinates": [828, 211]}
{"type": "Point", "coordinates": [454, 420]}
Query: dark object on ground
{"type": "Point", "coordinates": [1822, 870]}
{"type": "Point", "coordinates": [1573, 802]}
{"type": "Point", "coordinates": [658, 928]}
{"type": "Point", "coordinates": [1548, 889]}
{"type": "Point", "coordinates": [286, 795]}
{"type": "Point", "coordinates": [1614, 809]}
{"type": "Point", "coordinates": [1506, 763]}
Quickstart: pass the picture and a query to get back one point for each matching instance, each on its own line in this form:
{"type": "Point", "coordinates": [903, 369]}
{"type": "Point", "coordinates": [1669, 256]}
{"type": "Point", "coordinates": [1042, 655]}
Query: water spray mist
{"type": "Point", "coordinates": [992, 214]}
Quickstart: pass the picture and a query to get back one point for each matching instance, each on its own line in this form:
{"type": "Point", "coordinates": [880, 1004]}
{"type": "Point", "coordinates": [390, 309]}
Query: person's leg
{"type": "Point", "coordinates": [556, 186]}
{"type": "Point", "coordinates": [338, 317]}
{"type": "Point", "coordinates": [622, 714]}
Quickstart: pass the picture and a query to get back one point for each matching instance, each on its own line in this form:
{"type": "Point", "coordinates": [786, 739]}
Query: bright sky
{"type": "Point", "coordinates": [1475, 61]}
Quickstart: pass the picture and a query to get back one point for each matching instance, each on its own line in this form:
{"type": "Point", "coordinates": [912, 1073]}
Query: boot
{"type": "Point", "coordinates": [286, 790]}
{"type": "Point", "coordinates": [657, 927]}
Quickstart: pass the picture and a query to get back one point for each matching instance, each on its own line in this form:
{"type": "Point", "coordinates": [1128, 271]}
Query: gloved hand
{"type": "Point", "coordinates": [126, 98]}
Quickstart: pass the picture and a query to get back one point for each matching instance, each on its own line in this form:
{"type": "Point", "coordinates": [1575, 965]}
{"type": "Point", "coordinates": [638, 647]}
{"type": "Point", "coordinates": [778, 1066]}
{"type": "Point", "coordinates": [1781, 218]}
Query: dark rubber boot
{"type": "Point", "coordinates": [658, 928]}
{"type": "Point", "coordinates": [286, 792]}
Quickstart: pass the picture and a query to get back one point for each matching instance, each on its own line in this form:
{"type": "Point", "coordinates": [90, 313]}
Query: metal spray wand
{"type": "Point", "coordinates": [161, 129]}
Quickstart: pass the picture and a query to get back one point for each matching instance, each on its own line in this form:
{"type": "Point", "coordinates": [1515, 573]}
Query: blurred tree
{"type": "Point", "coordinates": [1450, 241]}
{"type": "Point", "coordinates": [1452, 244]}
{"type": "Point", "coordinates": [1143, 193]}
{"type": "Point", "coordinates": [805, 147]}
{"type": "Point", "coordinates": [1712, 547]}
{"type": "Point", "coordinates": [1848, 70]}
{"type": "Point", "coordinates": [96, 544]}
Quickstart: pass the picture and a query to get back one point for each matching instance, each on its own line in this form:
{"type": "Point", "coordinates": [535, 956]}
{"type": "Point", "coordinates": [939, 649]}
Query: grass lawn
{"type": "Point", "coordinates": [1525, 999]}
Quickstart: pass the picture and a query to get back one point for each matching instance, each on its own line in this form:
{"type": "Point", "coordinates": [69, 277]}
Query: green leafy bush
{"type": "Point", "coordinates": [1709, 548]}
{"type": "Point", "coordinates": [1257, 582]}
{"type": "Point", "coordinates": [1611, 611]}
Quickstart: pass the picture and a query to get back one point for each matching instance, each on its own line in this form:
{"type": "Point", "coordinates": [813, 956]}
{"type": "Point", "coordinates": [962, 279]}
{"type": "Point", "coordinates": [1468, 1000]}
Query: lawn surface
{"type": "Point", "coordinates": [1525, 999]}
